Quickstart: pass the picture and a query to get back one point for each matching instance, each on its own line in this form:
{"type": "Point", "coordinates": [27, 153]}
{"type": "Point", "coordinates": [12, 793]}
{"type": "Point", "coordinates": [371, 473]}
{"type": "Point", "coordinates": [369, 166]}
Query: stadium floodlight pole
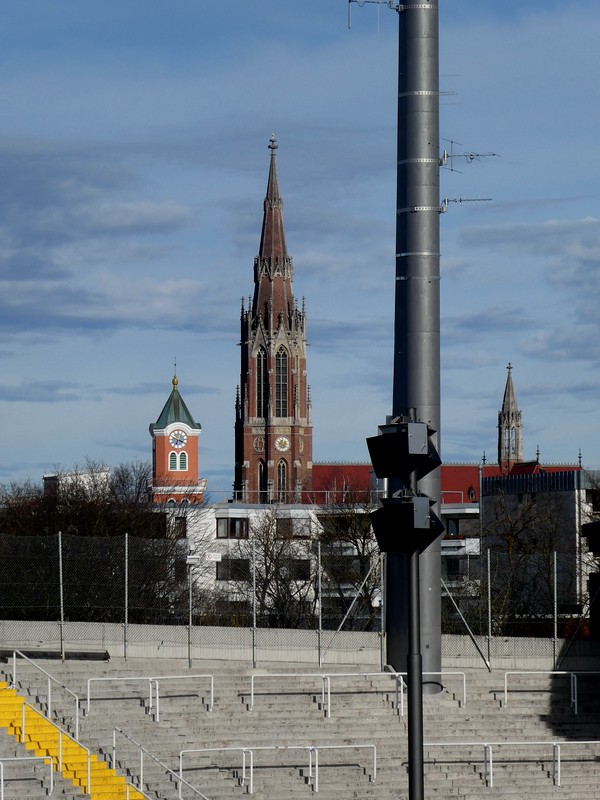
{"type": "Point", "coordinates": [416, 381]}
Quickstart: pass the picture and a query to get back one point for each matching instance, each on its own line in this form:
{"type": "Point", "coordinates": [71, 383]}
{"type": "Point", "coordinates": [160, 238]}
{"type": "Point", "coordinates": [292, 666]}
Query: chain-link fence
{"type": "Point", "coordinates": [325, 589]}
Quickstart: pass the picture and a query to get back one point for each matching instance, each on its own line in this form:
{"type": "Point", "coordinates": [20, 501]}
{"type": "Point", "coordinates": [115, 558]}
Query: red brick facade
{"type": "Point", "coordinates": [273, 431]}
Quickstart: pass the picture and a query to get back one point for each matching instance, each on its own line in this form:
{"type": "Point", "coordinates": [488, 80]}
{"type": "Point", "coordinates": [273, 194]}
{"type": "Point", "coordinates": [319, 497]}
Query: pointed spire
{"type": "Point", "coordinates": [510, 446]}
{"type": "Point", "coordinates": [272, 239]}
{"type": "Point", "coordinates": [174, 410]}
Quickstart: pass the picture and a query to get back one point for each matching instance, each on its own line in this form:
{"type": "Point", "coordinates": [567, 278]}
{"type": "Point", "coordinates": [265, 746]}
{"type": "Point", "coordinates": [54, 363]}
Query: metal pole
{"type": "Point", "coordinates": [382, 607]}
{"type": "Point", "coordinates": [489, 605]}
{"type": "Point", "coordinates": [555, 608]}
{"type": "Point", "coordinates": [414, 680]}
{"type": "Point", "coordinates": [416, 382]}
{"type": "Point", "coordinates": [62, 599]}
{"type": "Point", "coordinates": [319, 609]}
{"type": "Point", "coordinates": [253, 603]}
{"type": "Point", "coordinates": [126, 598]}
{"type": "Point", "coordinates": [189, 615]}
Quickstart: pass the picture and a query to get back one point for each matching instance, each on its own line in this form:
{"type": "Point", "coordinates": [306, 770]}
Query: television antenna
{"type": "Point", "coordinates": [447, 200]}
{"type": "Point", "coordinates": [447, 158]}
{"type": "Point", "coordinates": [389, 3]}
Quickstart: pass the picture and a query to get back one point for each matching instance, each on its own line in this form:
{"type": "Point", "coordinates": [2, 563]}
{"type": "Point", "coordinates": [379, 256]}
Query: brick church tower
{"type": "Point", "coordinates": [175, 475]}
{"type": "Point", "coordinates": [273, 431]}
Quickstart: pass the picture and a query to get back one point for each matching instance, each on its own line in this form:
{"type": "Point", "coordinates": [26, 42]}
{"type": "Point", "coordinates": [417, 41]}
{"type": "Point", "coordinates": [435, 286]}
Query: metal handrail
{"type": "Point", "coordinates": [488, 753]}
{"type": "Point", "coordinates": [313, 750]}
{"type": "Point", "coordinates": [573, 682]}
{"type": "Point", "coordinates": [50, 678]}
{"type": "Point", "coordinates": [401, 683]}
{"type": "Point", "coordinates": [155, 682]}
{"type": "Point", "coordinates": [25, 758]}
{"type": "Point", "coordinates": [60, 733]}
{"type": "Point", "coordinates": [151, 680]}
{"type": "Point", "coordinates": [144, 752]}
{"type": "Point", "coordinates": [325, 678]}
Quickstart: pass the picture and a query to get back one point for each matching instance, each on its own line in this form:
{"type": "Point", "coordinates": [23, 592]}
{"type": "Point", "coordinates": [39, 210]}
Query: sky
{"type": "Point", "coordinates": [133, 167]}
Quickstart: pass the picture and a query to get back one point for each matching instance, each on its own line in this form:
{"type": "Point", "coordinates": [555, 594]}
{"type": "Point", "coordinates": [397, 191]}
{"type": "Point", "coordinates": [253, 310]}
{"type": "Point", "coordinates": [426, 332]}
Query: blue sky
{"type": "Point", "coordinates": [133, 165]}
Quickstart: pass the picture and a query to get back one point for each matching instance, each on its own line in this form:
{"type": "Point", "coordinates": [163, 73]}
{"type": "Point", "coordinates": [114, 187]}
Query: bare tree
{"type": "Point", "coordinates": [523, 532]}
{"type": "Point", "coordinates": [277, 559]}
{"type": "Point", "coordinates": [349, 555]}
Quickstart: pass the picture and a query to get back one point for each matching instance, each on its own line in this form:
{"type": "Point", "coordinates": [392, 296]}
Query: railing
{"type": "Point", "coordinates": [573, 683]}
{"type": "Point", "coordinates": [488, 753]}
{"type": "Point", "coordinates": [143, 752]}
{"type": "Point", "coordinates": [152, 682]}
{"type": "Point", "coordinates": [155, 682]}
{"type": "Point", "coordinates": [400, 684]}
{"type": "Point", "coordinates": [25, 758]}
{"type": "Point", "coordinates": [313, 759]}
{"type": "Point", "coordinates": [51, 679]}
{"type": "Point", "coordinates": [60, 733]}
{"type": "Point", "coordinates": [324, 678]}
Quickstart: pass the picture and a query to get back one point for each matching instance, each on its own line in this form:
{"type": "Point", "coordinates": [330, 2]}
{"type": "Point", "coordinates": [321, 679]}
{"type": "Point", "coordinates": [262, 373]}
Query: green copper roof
{"type": "Point", "coordinates": [175, 410]}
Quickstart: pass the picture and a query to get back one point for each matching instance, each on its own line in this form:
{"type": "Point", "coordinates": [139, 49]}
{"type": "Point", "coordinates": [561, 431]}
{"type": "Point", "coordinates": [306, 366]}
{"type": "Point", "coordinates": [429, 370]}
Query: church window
{"type": "Point", "coordinates": [262, 482]}
{"type": "Point", "coordinates": [281, 383]}
{"type": "Point", "coordinates": [262, 383]}
{"type": "Point", "coordinates": [172, 460]}
{"type": "Point", "coordinates": [183, 461]}
{"type": "Point", "coordinates": [281, 482]}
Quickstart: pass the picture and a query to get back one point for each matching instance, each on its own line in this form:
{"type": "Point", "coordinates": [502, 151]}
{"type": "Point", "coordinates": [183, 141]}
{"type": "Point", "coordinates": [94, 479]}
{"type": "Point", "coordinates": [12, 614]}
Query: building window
{"type": "Point", "coordinates": [262, 483]}
{"type": "Point", "coordinates": [281, 482]}
{"type": "Point", "coordinates": [262, 383]}
{"type": "Point", "coordinates": [232, 528]}
{"type": "Point", "coordinates": [281, 383]}
{"type": "Point", "coordinates": [178, 461]}
{"type": "Point", "coordinates": [179, 528]}
{"type": "Point", "coordinates": [284, 527]}
{"type": "Point", "coordinates": [295, 569]}
{"type": "Point", "coordinates": [233, 569]}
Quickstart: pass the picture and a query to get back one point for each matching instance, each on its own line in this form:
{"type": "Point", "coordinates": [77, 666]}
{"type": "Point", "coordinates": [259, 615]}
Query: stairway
{"type": "Point", "coordinates": [40, 736]}
{"type": "Point", "coordinates": [288, 711]}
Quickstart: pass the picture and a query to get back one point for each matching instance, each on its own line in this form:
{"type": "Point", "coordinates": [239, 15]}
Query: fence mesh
{"type": "Point", "coordinates": [300, 585]}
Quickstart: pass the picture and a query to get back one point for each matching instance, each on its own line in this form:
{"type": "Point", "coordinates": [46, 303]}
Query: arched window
{"type": "Point", "coordinates": [172, 460]}
{"type": "Point", "coordinates": [281, 383]}
{"type": "Point", "coordinates": [262, 383]}
{"type": "Point", "coordinates": [262, 482]}
{"type": "Point", "coordinates": [183, 461]}
{"type": "Point", "coordinates": [281, 482]}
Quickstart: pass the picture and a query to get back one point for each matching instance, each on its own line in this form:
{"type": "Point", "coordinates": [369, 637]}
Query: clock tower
{"type": "Point", "coordinates": [273, 430]}
{"type": "Point", "coordinates": [175, 438]}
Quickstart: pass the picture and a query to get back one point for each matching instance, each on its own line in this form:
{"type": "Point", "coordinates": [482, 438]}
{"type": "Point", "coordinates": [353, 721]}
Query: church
{"type": "Point", "coordinates": [273, 435]}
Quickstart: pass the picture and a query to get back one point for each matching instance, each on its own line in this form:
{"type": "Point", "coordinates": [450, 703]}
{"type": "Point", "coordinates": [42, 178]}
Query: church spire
{"type": "Point", "coordinates": [510, 443]}
{"type": "Point", "coordinates": [273, 433]}
{"type": "Point", "coordinates": [273, 300]}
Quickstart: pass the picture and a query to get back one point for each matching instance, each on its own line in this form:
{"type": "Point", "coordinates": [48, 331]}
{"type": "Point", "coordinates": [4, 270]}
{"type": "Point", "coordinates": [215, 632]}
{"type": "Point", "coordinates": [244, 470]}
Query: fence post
{"type": "Point", "coordinates": [555, 609]}
{"type": "Point", "coordinates": [61, 595]}
{"type": "Point", "coordinates": [126, 598]}
{"type": "Point", "coordinates": [489, 605]}
{"type": "Point", "coordinates": [319, 605]}
{"type": "Point", "coordinates": [253, 603]}
{"type": "Point", "coordinates": [382, 610]}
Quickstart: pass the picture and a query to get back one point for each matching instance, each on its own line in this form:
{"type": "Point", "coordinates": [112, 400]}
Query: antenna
{"type": "Point", "coordinates": [447, 200]}
{"type": "Point", "coordinates": [470, 156]}
{"type": "Point", "coordinates": [389, 3]}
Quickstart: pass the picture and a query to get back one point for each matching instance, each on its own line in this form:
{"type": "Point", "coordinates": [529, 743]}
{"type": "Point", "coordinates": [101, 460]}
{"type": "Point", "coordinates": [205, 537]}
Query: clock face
{"type": "Point", "coordinates": [282, 443]}
{"type": "Point", "coordinates": [178, 439]}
